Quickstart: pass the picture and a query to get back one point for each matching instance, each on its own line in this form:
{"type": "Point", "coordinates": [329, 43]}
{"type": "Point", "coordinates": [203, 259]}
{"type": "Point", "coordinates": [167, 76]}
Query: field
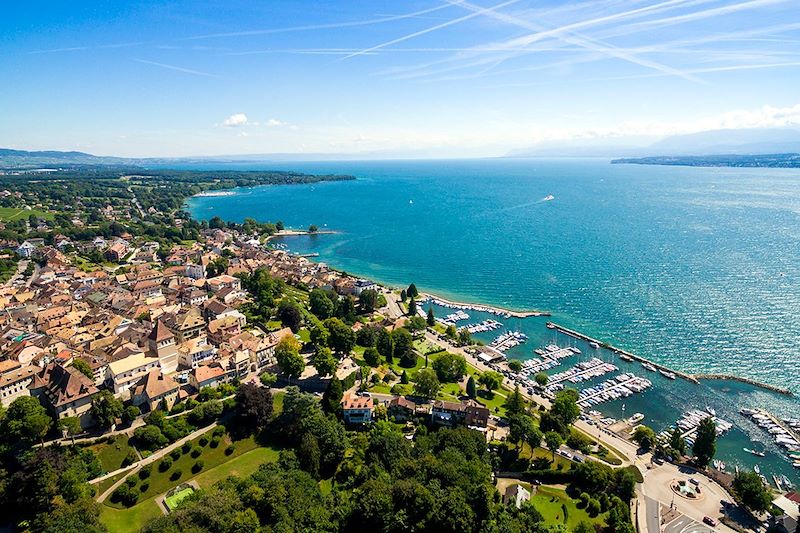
{"type": "Point", "coordinates": [14, 213]}
{"type": "Point", "coordinates": [558, 508]}
{"type": "Point", "coordinates": [178, 497]}
{"type": "Point", "coordinates": [111, 455]}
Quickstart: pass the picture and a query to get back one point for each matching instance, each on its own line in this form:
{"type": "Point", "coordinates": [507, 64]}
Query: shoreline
{"type": "Point", "coordinates": [482, 307]}
{"type": "Point", "coordinates": [299, 233]}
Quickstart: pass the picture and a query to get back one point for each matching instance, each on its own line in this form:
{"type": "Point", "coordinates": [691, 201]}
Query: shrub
{"type": "Point", "coordinates": [143, 487]}
{"type": "Point", "coordinates": [186, 447]}
{"type": "Point", "coordinates": [125, 495]}
{"type": "Point", "coordinates": [219, 431]}
{"type": "Point", "coordinates": [110, 439]}
{"type": "Point", "coordinates": [215, 442]}
{"type": "Point", "coordinates": [230, 449]}
{"type": "Point", "coordinates": [197, 466]}
{"type": "Point", "coordinates": [175, 454]}
{"type": "Point", "coordinates": [203, 441]}
{"type": "Point", "coordinates": [593, 507]}
{"type": "Point", "coordinates": [131, 481]}
{"type": "Point", "coordinates": [165, 464]}
{"type": "Point", "coordinates": [176, 474]}
{"type": "Point", "coordinates": [196, 451]}
{"type": "Point", "coordinates": [144, 473]}
{"type": "Point", "coordinates": [130, 458]}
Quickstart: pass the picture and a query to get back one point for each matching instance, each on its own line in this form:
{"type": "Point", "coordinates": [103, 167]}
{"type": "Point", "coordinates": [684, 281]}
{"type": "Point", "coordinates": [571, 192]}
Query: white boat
{"type": "Point", "coordinates": [667, 374]}
{"type": "Point", "coordinates": [625, 357]}
{"type": "Point", "coordinates": [548, 198]}
{"type": "Point", "coordinates": [594, 345]}
{"type": "Point", "coordinates": [648, 366]}
{"type": "Point", "coordinates": [754, 452]}
{"type": "Point", "coordinates": [756, 469]}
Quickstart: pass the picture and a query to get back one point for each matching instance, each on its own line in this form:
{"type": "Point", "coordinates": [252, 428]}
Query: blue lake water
{"type": "Point", "coordinates": [696, 268]}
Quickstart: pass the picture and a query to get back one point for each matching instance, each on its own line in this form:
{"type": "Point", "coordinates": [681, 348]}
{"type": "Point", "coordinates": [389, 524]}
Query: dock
{"type": "Point", "coordinates": [480, 307]}
{"type": "Point", "coordinates": [765, 386]}
{"type": "Point", "coordinates": [576, 334]}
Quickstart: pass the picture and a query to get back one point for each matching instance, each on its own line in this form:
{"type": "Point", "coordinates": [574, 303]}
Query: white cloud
{"type": "Point", "coordinates": [275, 123]}
{"type": "Point", "coordinates": [235, 121]}
{"type": "Point", "coordinates": [243, 134]}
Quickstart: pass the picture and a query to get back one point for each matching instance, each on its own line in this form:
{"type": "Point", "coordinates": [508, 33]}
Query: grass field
{"type": "Point", "coordinates": [111, 455]}
{"type": "Point", "coordinates": [14, 213]}
{"type": "Point", "coordinates": [178, 497]}
{"type": "Point", "coordinates": [558, 508]}
{"type": "Point", "coordinates": [129, 520]}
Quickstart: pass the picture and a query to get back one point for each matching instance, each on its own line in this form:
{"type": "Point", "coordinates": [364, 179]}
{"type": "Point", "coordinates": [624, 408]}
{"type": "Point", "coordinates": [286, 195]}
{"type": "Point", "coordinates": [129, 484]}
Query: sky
{"type": "Point", "coordinates": [433, 77]}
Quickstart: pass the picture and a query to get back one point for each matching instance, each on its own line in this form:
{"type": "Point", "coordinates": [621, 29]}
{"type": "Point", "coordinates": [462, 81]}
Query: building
{"type": "Point", "coordinates": [516, 495]}
{"type": "Point", "coordinates": [154, 390]}
{"type": "Point", "coordinates": [66, 391]}
{"type": "Point", "coordinates": [124, 373]}
{"type": "Point", "coordinates": [468, 412]}
{"type": "Point", "coordinates": [161, 344]}
{"type": "Point", "coordinates": [186, 325]}
{"type": "Point", "coordinates": [25, 249]}
{"type": "Point", "coordinates": [195, 352]}
{"type": "Point", "coordinates": [356, 409]}
{"type": "Point", "coordinates": [362, 285]}
{"type": "Point", "coordinates": [224, 281]}
{"type": "Point", "coordinates": [207, 376]}
{"type": "Point", "coordinates": [401, 409]}
{"type": "Point", "coordinates": [14, 383]}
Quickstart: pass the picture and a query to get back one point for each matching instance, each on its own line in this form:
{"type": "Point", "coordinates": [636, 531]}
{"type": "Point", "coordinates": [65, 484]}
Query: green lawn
{"type": "Point", "coordinates": [277, 402]}
{"type": "Point", "coordinates": [178, 497]}
{"type": "Point", "coordinates": [111, 455]}
{"type": "Point", "coordinates": [241, 466]}
{"type": "Point", "coordinates": [103, 485]}
{"type": "Point", "coordinates": [15, 213]}
{"type": "Point", "coordinates": [558, 508]}
{"type": "Point", "coordinates": [129, 520]}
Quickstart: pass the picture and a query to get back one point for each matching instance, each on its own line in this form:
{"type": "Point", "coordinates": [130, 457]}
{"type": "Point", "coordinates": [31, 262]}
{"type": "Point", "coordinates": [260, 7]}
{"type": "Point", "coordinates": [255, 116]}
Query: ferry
{"type": "Point", "coordinates": [667, 374]}
{"type": "Point", "coordinates": [754, 452]}
{"type": "Point", "coordinates": [648, 366]}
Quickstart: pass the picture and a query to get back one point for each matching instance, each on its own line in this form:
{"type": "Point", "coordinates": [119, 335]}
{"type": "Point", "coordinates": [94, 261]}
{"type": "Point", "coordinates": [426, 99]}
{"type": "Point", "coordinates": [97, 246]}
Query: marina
{"type": "Point", "coordinates": [583, 371]}
{"type": "Point", "coordinates": [621, 386]}
{"type": "Point", "coordinates": [784, 436]}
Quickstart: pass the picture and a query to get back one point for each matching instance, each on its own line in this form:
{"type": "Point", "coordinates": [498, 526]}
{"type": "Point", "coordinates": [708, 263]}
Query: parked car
{"type": "Point", "coordinates": [710, 521]}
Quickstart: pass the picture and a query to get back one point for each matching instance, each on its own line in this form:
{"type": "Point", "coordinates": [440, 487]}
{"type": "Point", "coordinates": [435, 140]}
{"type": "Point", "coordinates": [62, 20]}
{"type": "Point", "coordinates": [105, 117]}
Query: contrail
{"type": "Point", "coordinates": [481, 11]}
{"type": "Point", "coordinates": [176, 68]}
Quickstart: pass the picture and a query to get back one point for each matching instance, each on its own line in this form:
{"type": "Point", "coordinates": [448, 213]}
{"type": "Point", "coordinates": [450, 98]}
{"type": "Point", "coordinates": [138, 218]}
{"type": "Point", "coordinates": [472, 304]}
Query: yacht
{"type": "Point", "coordinates": [667, 374]}
{"type": "Point", "coordinates": [648, 366]}
{"type": "Point", "coordinates": [754, 452]}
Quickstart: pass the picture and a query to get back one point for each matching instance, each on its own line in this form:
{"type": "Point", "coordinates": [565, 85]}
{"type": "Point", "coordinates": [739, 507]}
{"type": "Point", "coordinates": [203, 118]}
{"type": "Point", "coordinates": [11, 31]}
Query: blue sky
{"type": "Point", "coordinates": [432, 77]}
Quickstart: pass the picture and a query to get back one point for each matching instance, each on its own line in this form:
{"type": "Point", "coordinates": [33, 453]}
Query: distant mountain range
{"type": "Point", "coordinates": [791, 160]}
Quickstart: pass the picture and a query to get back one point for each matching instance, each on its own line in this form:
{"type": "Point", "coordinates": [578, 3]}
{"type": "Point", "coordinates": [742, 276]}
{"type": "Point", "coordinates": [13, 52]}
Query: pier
{"type": "Point", "coordinates": [581, 336]}
{"type": "Point", "coordinates": [480, 307]}
{"type": "Point", "coordinates": [749, 381]}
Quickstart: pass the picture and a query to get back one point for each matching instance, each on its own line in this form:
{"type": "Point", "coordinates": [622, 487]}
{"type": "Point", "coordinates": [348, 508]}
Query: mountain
{"type": "Point", "coordinates": [23, 159]}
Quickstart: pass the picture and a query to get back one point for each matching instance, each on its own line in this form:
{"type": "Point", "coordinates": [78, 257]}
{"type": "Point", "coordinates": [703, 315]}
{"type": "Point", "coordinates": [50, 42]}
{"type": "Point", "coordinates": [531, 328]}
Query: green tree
{"type": "Point", "coordinates": [288, 356]}
{"type": "Point", "coordinates": [403, 295]}
{"type": "Point", "coordinates": [464, 337]}
{"type": "Point", "coordinates": [268, 379]}
{"type": "Point", "coordinates": [385, 344]}
{"type": "Point", "coordinates": [541, 379]}
{"type": "Point", "coordinates": [106, 409]}
{"type": "Point", "coordinates": [332, 396]}
{"type": "Point", "coordinates": [324, 361]}
{"type": "Point", "coordinates": [412, 307]}
{"type": "Point", "coordinates": [522, 429]}
{"type": "Point", "coordinates": [515, 403]}
{"type": "Point", "coordinates": [705, 443]}
{"type": "Point", "coordinates": [751, 492]}
{"type": "Point", "coordinates": [450, 367]}
{"type": "Point", "coordinates": [404, 377]}
{"type": "Point", "coordinates": [254, 405]}
{"type": "Point", "coordinates": [412, 291]}
{"type": "Point", "coordinates": [342, 338]}
{"type": "Point", "coordinates": [451, 332]}
{"type": "Point", "coordinates": [565, 406]}
{"type": "Point", "coordinates": [416, 324]}
{"type": "Point", "coordinates": [368, 300]}
{"type": "Point", "coordinates": [308, 454]}
{"type": "Point", "coordinates": [426, 384]}
{"type": "Point", "coordinates": [320, 336]}
{"type": "Point", "coordinates": [83, 367]}
{"type": "Point", "coordinates": [372, 357]}
{"type": "Point", "coordinates": [320, 304]}
{"type": "Point", "coordinates": [404, 348]}
{"type": "Point", "coordinates": [313, 229]}
{"type": "Point", "coordinates": [491, 380]}
{"type": "Point", "coordinates": [472, 390]}
{"type": "Point", "coordinates": [515, 365]}
{"type": "Point", "coordinates": [290, 315]}
{"type": "Point", "coordinates": [677, 442]}
{"type": "Point", "coordinates": [644, 437]}
{"type": "Point", "coordinates": [431, 320]}
{"type": "Point", "coordinates": [71, 426]}
{"type": "Point", "coordinates": [553, 442]}
{"type": "Point", "coordinates": [130, 413]}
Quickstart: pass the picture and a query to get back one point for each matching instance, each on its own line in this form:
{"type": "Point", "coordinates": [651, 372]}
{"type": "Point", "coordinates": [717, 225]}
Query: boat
{"type": "Point", "coordinates": [637, 417]}
{"type": "Point", "coordinates": [748, 412]}
{"type": "Point", "coordinates": [754, 452]}
{"type": "Point", "coordinates": [796, 464]}
{"type": "Point", "coordinates": [550, 325]}
{"type": "Point", "coordinates": [648, 366]}
{"type": "Point", "coordinates": [667, 374]}
{"type": "Point", "coordinates": [548, 198]}
{"type": "Point", "coordinates": [711, 411]}
{"type": "Point", "coordinates": [594, 345]}
{"type": "Point", "coordinates": [756, 469]}
{"type": "Point", "coordinates": [625, 357]}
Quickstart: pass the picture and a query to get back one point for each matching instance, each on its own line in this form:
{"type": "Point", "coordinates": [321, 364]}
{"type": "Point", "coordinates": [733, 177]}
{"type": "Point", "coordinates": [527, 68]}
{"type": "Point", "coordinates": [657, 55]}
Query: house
{"type": "Point", "coordinates": [117, 251]}
{"type": "Point", "coordinates": [401, 409]}
{"type": "Point", "coordinates": [14, 383]}
{"type": "Point", "coordinates": [207, 376]}
{"type": "Point", "coordinates": [517, 495]}
{"type": "Point", "coordinates": [224, 281]}
{"type": "Point", "coordinates": [161, 344]}
{"type": "Point", "coordinates": [362, 285]}
{"type": "Point", "coordinates": [154, 390]}
{"type": "Point", "coordinates": [356, 409]}
{"type": "Point", "coordinates": [66, 391]}
{"type": "Point", "coordinates": [99, 366]}
{"type": "Point", "coordinates": [195, 271]}
{"type": "Point", "coordinates": [223, 328]}
{"type": "Point", "coordinates": [193, 296]}
{"type": "Point", "coordinates": [468, 412]}
{"type": "Point", "coordinates": [25, 249]}
{"type": "Point", "coordinates": [187, 324]}
{"type": "Point", "coordinates": [194, 352]}
{"type": "Point", "coordinates": [124, 373]}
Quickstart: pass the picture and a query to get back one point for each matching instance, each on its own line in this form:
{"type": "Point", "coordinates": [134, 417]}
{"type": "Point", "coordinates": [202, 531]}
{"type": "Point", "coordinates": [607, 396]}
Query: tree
{"type": "Point", "coordinates": [346, 310]}
{"type": "Point", "coordinates": [320, 304]}
{"type": "Point", "coordinates": [644, 437]}
{"type": "Point", "coordinates": [404, 348]}
{"type": "Point", "coordinates": [368, 300]}
{"type": "Point", "coordinates": [149, 437]}
{"type": "Point", "coordinates": [384, 344]}
{"type": "Point", "coordinates": [290, 315]}
{"type": "Point", "coordinates": [464, 337]}
{"type": "Point", "coordinates": [472, 390]}
{"type": "Point", "coordinates": [565, 406]}
{"type": "Point", "coordinates": [404, 377]}
{"type": "Point", "coordinates": [491, 380]}
{"type": "Point", "coordinates": [288, 355]}
{"type": "Point", "coordinates": [522, 429]}
{"type": "Point", "coordinates": [268, 379]}
{"type": "Point", "coordinates": [705, 443]}
{"type": "Point", "coordinates": [372, 357]}
{"type": "Point", "coordinates": [342, 338]}
{"type": "Point", "coordinates": [515, 403]}
{"type": "Point", "coordinates": [426, 384]}
{"type": "Point", "coordinates": [416, 324]}
{"type": "Point", "coordinates": [515, 365]}
{"type": "Point", "coordinates": [751, 492]}
{"type": "Point", "coordinates": [412, 291]}
{"type": "Point", "coordinates": [308, 454]}
{"type": "Point", "coordinates": [106, 409]}
{"type": "Point", "coordinates": [677, 442]}
{"type": "Point", "coordinates": [83, 367]}
{"type": "Point", "coordinates": [332, 396]}
{"type": "Point", "coordinates": [541, 379]}
{"type": "Point", "coordinates": [320, 336]}
{"type": "Point", "coordinates": [431, 320]}
{"type": "Point", "coordinates": [313, 229]}
{"type": "Point", "coordinates": [583, 527]}
{"type": "Point", "coordinates": [254, 405]}
{"type": "Point", "coordinates": [412, 307]}
{"type": "Point", "coordinates": [71, 426]}
{"type": "Point", "coordinates": [403, 296]}
{"type": "Point", "coordinates": [216, 223]}
{"type": "Point", "coordinates": [130, 413]}
{"type": "Point", "coordinates": [450, 367]}
{"type": "Point", "coordinates": [553, 441]}
{"type": "Point", "coordinates": [324, 361]}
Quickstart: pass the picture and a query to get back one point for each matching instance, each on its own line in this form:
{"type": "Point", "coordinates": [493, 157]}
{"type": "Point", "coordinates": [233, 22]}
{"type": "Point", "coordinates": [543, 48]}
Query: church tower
{"type": "Point", "coordinates": [161, 344]}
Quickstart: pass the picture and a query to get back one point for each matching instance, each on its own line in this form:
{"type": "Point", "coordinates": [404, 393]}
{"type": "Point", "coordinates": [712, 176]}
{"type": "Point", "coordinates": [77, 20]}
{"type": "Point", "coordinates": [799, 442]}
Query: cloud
{"type": "Point", "coordinates": [275, 123]}
{"type": "Point", "coordinates": [236, 120]}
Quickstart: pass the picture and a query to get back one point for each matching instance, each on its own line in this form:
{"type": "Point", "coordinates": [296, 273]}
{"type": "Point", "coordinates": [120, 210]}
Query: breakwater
{"type": "Point", "coordinates": [480, 307]}
{"type": "Point", "coordinates": [620, 351]}
{"type": "Point", "coordinates": [753, 382]}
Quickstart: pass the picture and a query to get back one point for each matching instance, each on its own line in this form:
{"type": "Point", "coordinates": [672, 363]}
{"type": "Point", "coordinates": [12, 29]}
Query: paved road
{"type": "Point", "coordinates": [652, 510]}
{"type": "Point", "coordinates": [684, 524]}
